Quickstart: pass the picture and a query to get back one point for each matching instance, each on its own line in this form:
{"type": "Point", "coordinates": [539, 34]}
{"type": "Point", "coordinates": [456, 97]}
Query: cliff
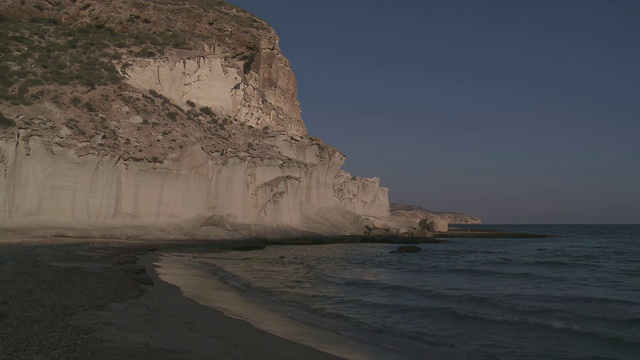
{"type": "Point", "coordinates": [46, 185]}
{"type": "Point", "coordinates": [179, 117]}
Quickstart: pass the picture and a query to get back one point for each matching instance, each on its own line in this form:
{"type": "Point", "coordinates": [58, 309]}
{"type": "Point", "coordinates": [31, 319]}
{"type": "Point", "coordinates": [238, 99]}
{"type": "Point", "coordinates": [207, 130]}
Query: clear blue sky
{"type": "Point", "coordinates": [521, 111]}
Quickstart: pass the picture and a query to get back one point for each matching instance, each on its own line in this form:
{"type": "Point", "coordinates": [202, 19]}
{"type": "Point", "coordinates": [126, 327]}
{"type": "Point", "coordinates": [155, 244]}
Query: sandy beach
{"type": "Point", "coordinates": [102, 299]}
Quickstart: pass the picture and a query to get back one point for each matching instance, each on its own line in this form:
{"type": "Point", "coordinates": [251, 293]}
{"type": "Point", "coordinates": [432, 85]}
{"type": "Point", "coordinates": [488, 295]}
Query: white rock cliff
{"type": "Point", "coordinates": [130, 156]}
{"type": "Point", "coordinates": [43, 186]}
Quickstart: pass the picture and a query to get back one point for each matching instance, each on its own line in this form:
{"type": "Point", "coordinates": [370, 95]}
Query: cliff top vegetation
{"type": "Point", "coordinates": [63, 66]}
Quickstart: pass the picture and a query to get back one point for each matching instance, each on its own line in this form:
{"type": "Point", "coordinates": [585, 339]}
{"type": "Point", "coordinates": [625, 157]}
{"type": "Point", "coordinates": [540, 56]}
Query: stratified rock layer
{"type": "Point", "coordinates": [50, 186]}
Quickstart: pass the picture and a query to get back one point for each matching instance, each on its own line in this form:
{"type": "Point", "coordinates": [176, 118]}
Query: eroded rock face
{"type": "Point", "coordinates": [201, 79]}
{"type": "Point", "coordinates": [264, 97]}
{"type": "Point", "coordinates": [271, 93]}
{"type": "Point", "coordinates": [52, 186]}
{"type": "Point", "coordinates": [362, 196]}
{"type": "Point", "coordinates": [438, 225]}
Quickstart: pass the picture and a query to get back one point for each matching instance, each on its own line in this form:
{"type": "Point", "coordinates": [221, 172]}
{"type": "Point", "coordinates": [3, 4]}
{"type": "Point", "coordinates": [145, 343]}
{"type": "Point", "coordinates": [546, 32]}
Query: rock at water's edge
{"type": "Point", "coordinates": [406, 249]}
{"type": "Point", "coordinates": [423, 232]}
{"type": "Point", "coordinates": [438, 226]}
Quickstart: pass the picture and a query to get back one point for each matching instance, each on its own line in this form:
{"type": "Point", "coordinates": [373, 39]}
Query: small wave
{"type": "Point", "coordinates": [562, 289]}
{"type": "Point", "coordinates": [596, 300]}
{"type": "Point", "coordinates": [619, 337]}
{"type": "Point", "coordinates": [559, 263]}
{"type": "Point", "coordinates": [333, 279]}
{"type": "Point", "coordinates": [365, 323]}
{"type": "Point", "coordinates": [482, 272]}
{"type": "Point", "coordinates": [633, 321]}
{"type": "Point", "coordinates": [408, 295]}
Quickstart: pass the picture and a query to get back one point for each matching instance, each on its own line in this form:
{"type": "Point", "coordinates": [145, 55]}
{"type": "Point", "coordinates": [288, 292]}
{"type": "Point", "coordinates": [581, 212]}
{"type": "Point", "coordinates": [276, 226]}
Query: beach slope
{"type": "Point", "coordinates": [74, 299]}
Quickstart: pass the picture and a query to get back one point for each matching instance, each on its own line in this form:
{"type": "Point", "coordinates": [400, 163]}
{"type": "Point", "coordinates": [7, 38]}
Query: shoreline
{"type": "Point", "coordinates": [97, 299]}
{"type": "Point", "coordinates": [103, 299]}
{"type": "Point", "coordinates": [255, 242]}
{"type": "Point", "coordinates": [165, 318]}
{"type": "Point", "coordinates": [198, 284]}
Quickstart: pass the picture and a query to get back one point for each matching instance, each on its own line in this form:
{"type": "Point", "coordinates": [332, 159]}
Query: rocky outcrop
{"type": "Point", "coordinates": [414, 214]}
{"type": "Point", "coordinates": [438, 225]}
{"type": "Point", "coordinates": [423, 232]}
{"type": "Point", "coordinates": [266, 97]}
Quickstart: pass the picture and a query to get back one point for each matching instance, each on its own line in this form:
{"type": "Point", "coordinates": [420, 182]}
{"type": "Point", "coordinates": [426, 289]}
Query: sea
{"type": "Point", "coordinates": [572, 296]}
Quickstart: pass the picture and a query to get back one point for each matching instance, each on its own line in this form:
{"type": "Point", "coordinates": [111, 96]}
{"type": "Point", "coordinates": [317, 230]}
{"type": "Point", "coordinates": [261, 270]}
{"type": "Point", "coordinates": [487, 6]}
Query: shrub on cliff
{"type": "Point", "coordinates": [5, 122]}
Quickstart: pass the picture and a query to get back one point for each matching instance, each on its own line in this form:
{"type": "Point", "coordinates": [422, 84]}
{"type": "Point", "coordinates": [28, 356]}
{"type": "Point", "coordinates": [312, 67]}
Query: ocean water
{"type": "Point", "coordinates": [574, 296]}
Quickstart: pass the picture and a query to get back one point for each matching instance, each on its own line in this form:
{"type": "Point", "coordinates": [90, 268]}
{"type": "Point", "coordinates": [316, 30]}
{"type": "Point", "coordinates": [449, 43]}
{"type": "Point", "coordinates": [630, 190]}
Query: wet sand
{"type": "Point", "coordinates": [101, 299]}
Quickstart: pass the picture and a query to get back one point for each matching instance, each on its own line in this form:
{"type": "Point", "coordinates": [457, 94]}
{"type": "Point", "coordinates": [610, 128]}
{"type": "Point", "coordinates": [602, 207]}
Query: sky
{"type": "Point", "coordinates": [514, 111]}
